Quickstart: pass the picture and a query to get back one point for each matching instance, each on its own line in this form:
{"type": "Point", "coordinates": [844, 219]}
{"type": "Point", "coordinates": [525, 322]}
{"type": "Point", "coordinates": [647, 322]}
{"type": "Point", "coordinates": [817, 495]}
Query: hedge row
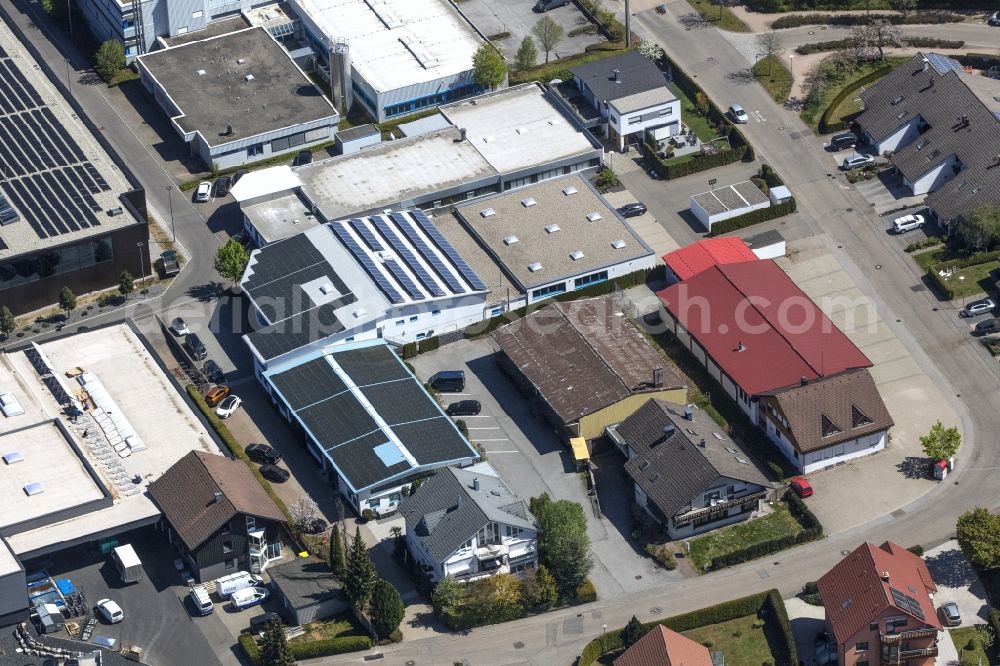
{"type": "Point", "coordinates": [753, 217]}
{"type": "Point", "coordinates": [499, 36]}
{"type": "Point", "coordinates": [767, 605]}
{"type": "Point", "coordinates": [250, 648]}
{"type": "Point", "coordinates": [965, 262]}
{"type": "Point", "coordinates": [934, 43]}
{"type": "Point", "coordinates": [917, 18]}
{"type": "Point", "coordinates": [915, 42]}
{"type": "Point", "coordinates": [812, 530]}
{"type": "Point", "coordinates": [703, 163]}
{"type": "Point", "coordinates": [586, 592]}
{"type": "Point", "coordinates": [978, 60]}
{"type": "Point", "coordinates": [310, 649]}
{"type": "Point", "coordinates": [826, 124]}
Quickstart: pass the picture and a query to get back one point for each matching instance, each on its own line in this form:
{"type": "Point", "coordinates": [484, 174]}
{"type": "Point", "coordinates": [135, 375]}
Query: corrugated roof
{"type": "Point", "coordinates": [706, 253]}
{"type": "Point", "coordinates": [583, 356]}
{"type": "Point", "coordinates": [665, 647]}
{"type": "Point", "coordinates": [759, 327]}
{"type": "Point", "coordinates": [855, 593]}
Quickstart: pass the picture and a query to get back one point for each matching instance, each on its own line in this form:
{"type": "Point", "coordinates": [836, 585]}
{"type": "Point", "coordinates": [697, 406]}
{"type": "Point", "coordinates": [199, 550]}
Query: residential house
{"type": "Point", "coordinates": [788, 367]}
{"type": "Point", "coordinates": [466, 523]}
{"type": "Point", "coordinates": [665, 647]}
{"type": "Point", "coordinates": [217, 515]}
{"type": "Point", "coordinates": [880, 607]}
{"type": "Point", "coordinates": [689, 475]}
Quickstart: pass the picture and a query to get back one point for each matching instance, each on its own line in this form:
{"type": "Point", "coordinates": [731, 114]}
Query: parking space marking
{"type": "Point", "coordinates": [479, 416]}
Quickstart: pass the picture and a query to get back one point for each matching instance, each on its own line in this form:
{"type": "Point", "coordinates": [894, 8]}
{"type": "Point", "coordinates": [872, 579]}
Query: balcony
{"type": "Point", "coordinates": [896, 639]}
{"type": "Point", "coordinates": [719, 508]}
{"type": "Point", "coordinates": [894, 656]}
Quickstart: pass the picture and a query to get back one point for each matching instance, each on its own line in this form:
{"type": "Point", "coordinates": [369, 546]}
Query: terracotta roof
{"type": "Point", "coordinates": [186, 495]}
{"type": "Point", "coordinates": [704, 254]}
{"type": "Point", "coordinates": [759, 327]}
{"type": "Point", "coordinates": [583, 356]}
{"type": "Point", "coordinates": [665, 647]}
{"type": "Point", "coordinates": [833, 410]}
{"type": "Point", "coordinates": [855, 592]}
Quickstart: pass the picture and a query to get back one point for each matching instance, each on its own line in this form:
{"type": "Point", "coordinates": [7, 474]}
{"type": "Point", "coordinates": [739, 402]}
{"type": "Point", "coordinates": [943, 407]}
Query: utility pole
{"type": "Point", "coordinates": [628, 26]}
{"type": "Point", "coordinates": [170, 198]}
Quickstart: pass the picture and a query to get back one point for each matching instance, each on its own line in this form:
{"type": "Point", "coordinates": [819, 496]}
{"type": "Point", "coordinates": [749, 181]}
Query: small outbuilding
{"type": "Point", "coordinates": [780, 194]}
{"type": "Point", "coordinates": [726, 202]}
{"type": "Point", "coordinates": [354, 139]}
{"type": "Point", "coordinates": [307, 590]}
{"type": "Point", "coordinates": [767, 245]}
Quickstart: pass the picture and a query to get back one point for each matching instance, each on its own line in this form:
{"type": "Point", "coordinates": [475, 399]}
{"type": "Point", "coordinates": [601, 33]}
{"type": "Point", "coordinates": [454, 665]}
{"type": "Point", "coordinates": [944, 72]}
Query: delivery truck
{"type": "Point", "coordinates": [129, 566]}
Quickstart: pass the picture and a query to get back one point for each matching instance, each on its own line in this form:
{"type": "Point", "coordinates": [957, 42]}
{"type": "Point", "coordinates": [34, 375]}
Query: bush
{"type": "Point", "coordinates": [586, 593]}
{"type": "Point", "coordinates": [249, 646]}
{"type": "Point", "coordinates": [915, 42]}
{"type": "Point", "coordinates": [917, 550]}
{"type": "Point", "coordinates": [827, 124]}
{"type": "Point", "coordinates": [428, 344]}
{"type": "Point", "coordinates": [499, 36]}
{"type": "Point", "coordinates": [606, 180]}
{"type": "Point", "coordinates": [583, 30]}
{"type": "Point", "coordinates": [329, 646]}
{"type": "Point", "coordinates": [367, 515]}
{"type": "Point", "coordinates": [930, 241]}
{"type": "Point", "coordinates": [916, 18]}
{"type": "Point", "coordinates": [933, 43]}
{"type": "Point", "coordinates": [753, 217]}
{"type": "Point", "coordinates": [410, 350]}
{"type": "Point", "coordinates": [812, 587]}
{"type": "Point", "coordinates": [662, 555]}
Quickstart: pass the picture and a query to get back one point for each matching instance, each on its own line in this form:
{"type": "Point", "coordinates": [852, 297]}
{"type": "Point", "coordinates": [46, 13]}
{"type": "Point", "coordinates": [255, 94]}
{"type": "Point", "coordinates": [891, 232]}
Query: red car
{"type": "Point", "coordinates": [801, 486]}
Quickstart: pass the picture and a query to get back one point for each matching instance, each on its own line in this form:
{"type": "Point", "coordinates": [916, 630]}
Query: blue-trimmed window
{"type": "Point", "coordinates": [593, 278]}
{"type": "Point", "coordinates": [350, 339]}
{"type": "Point", "coordinates": [255, 150]}
{"type": "Point", "coordinates": [419, 103]}
{"type": "Point", "coordinates": [550, 290]}
{"type": "Point", "coordinates": [496, 311]}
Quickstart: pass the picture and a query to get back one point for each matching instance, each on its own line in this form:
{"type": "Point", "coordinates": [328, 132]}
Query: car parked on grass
{"type": "Point", "coordinates": [982, 306]}
{"type": "Point", "coordinates": [986, 327]}
{"type": "Point", "coordinates": [216, 394]}
{"type": "Point", "coordinates": [738, 115]}
{"type": "Point", "coordinates": [857, 161]}
{"type": "Point", "coordinates": [950, 614]}
{"type": "Point", "coordinates": [111, 612]}
{"type": "Point", "coordinates": [179, 327]}
{"type": "Point", "coordinates": [262, 453]}
{"type": "Point", "coordinates": [249, 596]}
{"type": "Point", "coordinates": [800, 485]}
{"type": "Point", "coordinates": [464, 408]}
{"type": "Point", "coordinates": [274, 473]}
{"type": "Point", "coordinates": [222, 186]}
{"type": "Point", "coordinates": [633, 209]}
{"type": "Point", "coordinates": [907, 223]}
{"type": "Point", "coordinates": [228, 406]}
{"type": "Point", "coordinates": [204, 192]}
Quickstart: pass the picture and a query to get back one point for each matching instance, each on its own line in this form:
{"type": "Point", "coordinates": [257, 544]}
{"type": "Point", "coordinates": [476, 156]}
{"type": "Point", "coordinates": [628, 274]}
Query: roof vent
{"type": "Point", "coordinates": [240, 61]}
{"type": "Point", "coordinates": [569, 190]}
{"type": "Point", "coordinates": [885, 576]}
{"type": "Point", "coordinates": [534, 267]}
{"type": "Point", "coordinates": [13, 457]}
{"type": "Point", "coordinates": [487, 212]}
{"type": "Point", "coordinates": [618, 244]}
{"type": "Point", "coordinates": [201, 72]}
{"type": "Point", "coordinates": [529, 202]}
{"type": "Point", "coordinates": [689, 412]}
{"type": "Point", "coordinates": [326, 288]}
{"type": "Point", "coordinates": [897, 100]}
{"type": "Point", "coordinates": [593, 217]}
{"type": "Point", "coordinates": [216, 497]}
{"type": "Point", "coordinates": [576, 255]}
{"type": "Point", "coordinates": [33, 488]}
{"type": "Point", "coordinates": [475, 483]}
{"type": "Point", "coordinates": [740, 347]}
{"type": "Point", "coordinates": [248, 77]}
{"type": "Point", "coordinates": [551, 228]}
{"type": "Point", "coordinates": [510, 240]}
{"type": "Point", "coordinates": [359, 313]}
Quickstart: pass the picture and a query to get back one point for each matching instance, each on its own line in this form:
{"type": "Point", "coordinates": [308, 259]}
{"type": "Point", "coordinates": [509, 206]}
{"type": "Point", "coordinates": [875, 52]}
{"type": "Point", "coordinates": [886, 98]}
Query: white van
{"type": "Point", "coordinates": [201, 601]}
{"type": "Point", "coordinates": [226, 585]}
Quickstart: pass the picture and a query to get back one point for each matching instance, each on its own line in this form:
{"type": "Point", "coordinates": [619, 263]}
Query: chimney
{"type": "Point", "coordinates": [689, 412]}
{"type": "Point", "coordinates": [657, 376]}
{"type": "Point", "coordinates": [617, 75]}
{"type": "Point", "coordinates": [702, 443]}
{"type": "Point", "coordinates": [229, 129]}
{"type": "Point", "coordinates": [475, 483]}
{"type": "Point", "coordinates": [461, 133]}
{"type": "Point", "coordinates": [740, 347]}
{"type": "Point", "coordinates": [803, 381]}
{"type": "Point", "coordinates": [216, 497]}
{"type": "Point", "coordinates": [668, 430]}
{"type": "Point", "coordinates": [885, 576]}
{"type": "Point", "coordinates": [926, 64]}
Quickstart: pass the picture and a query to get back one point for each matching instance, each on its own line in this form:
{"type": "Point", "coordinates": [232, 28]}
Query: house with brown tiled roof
{"type": "Point", "coordinates": [665, 647]}
{"type": "Point", "coordinates": [219, 518]}
{"type": "Point", "coordinates": [880, 609]}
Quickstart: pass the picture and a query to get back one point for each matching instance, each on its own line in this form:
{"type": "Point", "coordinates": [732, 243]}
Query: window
{"type": "Point", "coordinates": [435, 313]}
{"type": "Point", "coordinates": [251, 523]}
{"type": "Point", "coordinates": [551, 290]}
{"type": "Point", "coordinates": [421, 336]}
{"type": "Point", "coordinates": [488, 535]}
{"type": "Point", "coordinates": [593, 278]}
{"type": "Point", "coordinates": [873, 626]}
{"type": "Point", "coordinates": [400, 322]}
{"type": "Point", "coordinates": [861, 647]}
{"type": "Point", "coordinates": [667, 111]}
{"type": "Point", "coordinates": [413, 318]}
{"type": "Point", "coordinates": [496, 311]}
{"type": "Point", "coordinates": [56, 262]}
{"type": "Point", "coordinates": [829, 427]}
{"type": "Point", "coordinates": [227, 547]}
{"type": "Point", "coordinates": [635, 120]}
{"type": "Point", "coordinates": [350, 339]}
{"type": "Point", "coordinates": [465, 547]}
{"type": "Point", "coordinates": [512, 532]}
{"type": "Point", "coordinates": [230, 564]}
{"type": "Point", "coordinates": [858, 418]}
{"type": "Point", "coordinates": [255, 150]}
{"type": "Point", "coordinates": [197, 15]}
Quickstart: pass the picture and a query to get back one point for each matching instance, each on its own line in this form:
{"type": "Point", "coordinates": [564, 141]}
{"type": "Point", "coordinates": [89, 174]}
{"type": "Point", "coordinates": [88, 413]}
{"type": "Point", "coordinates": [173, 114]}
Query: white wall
{"type": "Point", "coordinates": [855, 448]}
{"type": "Point", "coordinates": [643, 119]}
{"type": "Point", "coordinates": [899, 138]}
{"type": "Point", "coordinates": [772, 251]}
{"type": "Point", "coordinates": [616, 270]}
{"type": "Point", "coordinates": [935, 178]}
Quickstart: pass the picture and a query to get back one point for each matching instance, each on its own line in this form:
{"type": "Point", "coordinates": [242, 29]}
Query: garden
{"type": "Point", "coordinates": [962, 267]}
{"type": "Point", "coordinates": [832, 98]}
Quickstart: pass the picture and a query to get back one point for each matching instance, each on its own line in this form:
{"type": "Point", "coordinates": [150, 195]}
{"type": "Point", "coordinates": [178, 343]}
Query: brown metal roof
{"type": "Point", "coordinates": [665, 647]}
{"type": "Point", "coordinates": [583, 356]}
{"type": "Point", "coordinates": [186, 495]}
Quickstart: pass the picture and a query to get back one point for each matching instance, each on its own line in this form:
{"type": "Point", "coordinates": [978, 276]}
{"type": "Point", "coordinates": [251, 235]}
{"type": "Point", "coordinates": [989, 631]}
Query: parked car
{"type": "Point", "coordinates": [633, 209]}
{"type": "Point", "coordinates": [195, 347]}
{"type": "Point", "coordinates": [949, 612]}
{"type": "Point", "coordinates": [464, 408]}
{"type": "Point", "coordinates": [179, 327]}
{"type": "Point", "coordinates": [111, 612]}
{"type": "Point", "coordinates": [843, 140]}
{"type": "Point", "coordinates": [907, 223]}
{"type": "Point", "coordinates": [545, 5]}
{"type": "Point", "coordinates": [986, 327]}
{"type": "Point", "coordinates": [738, 115]}
{"type": "Point", "coordinates": [249, 596]}
{"type": "Point", "coordinates": [228, 406]}
{"type": "Point", "coordinates": [274, 473]}
{"type": "Point", "coordinates": [243, 238]}
{"type": "Point", "coordinates": [315, 526]}
{"type": "Point", "coordinates": [239, 174]}
{"type": "Point", "coordinates": [216, 394]}
{"type": "Point", "coordinates": [800, 485]}
{"type": "Point", "coordinates": [214, 373]}
{"type": "Point", "coordinates": [258, 623]}
{"type": "Point", "coordinates": [448, 381]}
{"type": "Point", "coordinates": [856, 161]}
{"type": "Point", "coordinates": [979, 307]}
{"type": "Point", "coordinates": [204, 192]}
{"type": "Point", "coordinates": [222, 186]}
{"type": "Point", "coordinates": [994, 19]}
{"type": "Point", "coordinates": [304, 157]}
{"type": "Point", "coordinates": [262, 453]}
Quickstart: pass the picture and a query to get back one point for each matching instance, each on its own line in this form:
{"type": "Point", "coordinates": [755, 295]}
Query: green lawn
{"type": "Point", "coordinates": [961, 638]}
{"type": "Point", "coordinates": [720, 16]}
{"type": "Point", "coordinates": [692, 116]}
{"type": "Point", "coordinates": [775, 78]}
{"type": "Point", "coordinates": [977, 279]}
{"type": "Point", "coordinates": [333, 627]}
{"type": "Point", "coordinates": [926, 259]}
{"type": "Point", "coordinates": [545, 72]}
{"type": "Point", "coordinates": [778, 524]}
{"type": "Point", "coordinates": [812, 113]}
{"type": "Point", "coordinates": [743, 643]}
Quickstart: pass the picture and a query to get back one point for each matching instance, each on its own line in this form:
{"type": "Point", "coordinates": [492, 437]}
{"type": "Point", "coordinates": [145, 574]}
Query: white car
{"type": "Point", "coordinates": [738, 114]}
{"type": "Point", "coordinates": [249, 596]}
{"type": "Point", "coordinates": [907, 223]}
{"type": "Point", "coordinates": [110, 611]}
{"type": "Point", "coordinates": [179, 327]}
{"type": "Point", "coordinates": [204, 192]}
{"type": "Point", "coordinates": [228, 406]}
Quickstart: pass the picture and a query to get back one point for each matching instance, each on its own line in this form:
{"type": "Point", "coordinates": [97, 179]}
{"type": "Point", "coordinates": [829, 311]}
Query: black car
{"type": "Point", "coordinates": [464, 408]}
{"type": "Point", "coordinates": [213, 372]}
{"type": "Point", "coordinates": [262, 453]}
{"type": "Point", "coordinates": [315, 526]}
{"type": "Point", "coordinates": [222, 186]}
{"type": "Point", "coordinates": [304, 157]}
{"type": "Point", "coordinates": [258, 623]}
{"type": "Point", "coordinates": [843, 140]}
{"type": "Point", "coordinates": [239, 174]}
{"type": "Point", "coordinates": [274, 473]}
{"type": "Point", "coordinates": [195, 347]}
{"type": "Point", "coordinates": [633, 210]}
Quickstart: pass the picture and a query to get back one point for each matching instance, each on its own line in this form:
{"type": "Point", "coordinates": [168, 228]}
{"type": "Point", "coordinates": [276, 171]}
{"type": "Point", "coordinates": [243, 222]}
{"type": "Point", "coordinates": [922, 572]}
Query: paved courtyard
{"type": "Point", "coordinates": [518, 18]}
{"type": "Point", "coordinates": [958, 582]}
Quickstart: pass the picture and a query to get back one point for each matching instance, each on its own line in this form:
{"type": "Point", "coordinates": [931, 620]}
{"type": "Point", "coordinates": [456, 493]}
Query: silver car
{"type": "Point", "coordinates": [950, 614]}
{"type": "Point", "coordinates": [857, 161]}
{"type": "Point", "coordinates": [978, 307]}
{"type": "Point", "coordinates": [738, 115]}
{"type": "Point", "coordinates": [204, 192]}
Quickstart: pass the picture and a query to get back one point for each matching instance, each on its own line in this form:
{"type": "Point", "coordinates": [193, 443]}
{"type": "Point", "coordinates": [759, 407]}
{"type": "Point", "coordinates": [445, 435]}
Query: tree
{"type": "Point", "coordinates": [338, 560]}
{"type": "Point", "coordinates": [650, 49]}
{"type": "Point", "coordinates": [527, 54]}
{"type": "Point", "coordinates": [874, 37]}
{"type": "Point", "coordinates": [303, 512]}
{"type": "Point", "coordinates": [387, 609]}
{"type": "Point", "coordinates": [770, 47]}
{"type": "Point", "coordinates": [702, 104]}
{"type": "Point", "coordinates": [978, 534]}
{"type": "Point", "coordinates": [109, 59]}
{"type": "Point", "coordinates": [549, 33]}
{"type": "Point", "coordinates": [274, 649]}
{"type": "Point", "coordinates": [447, 594]}
{"type": "Point", "coordinates": [538, 588]}
{"type": "Point", "coordinates": [7, 323]}
{"type": "Point", "coordinates": [632, 632]}
{"type": "Point", "coordinates": [67, 300]}
{"type": "Point", "coordinates": [941, 443]}
{"type": "Point", "coordinates": [231, 260]}
{"type": "Point", "coordinates": [980, 228]}
{"type": "Point", "coordinates": [359, 577]}
{"type": "Point", "coordinates": [126, 283]}
{"type": "Point", "coordinates": [563, 544]}
{"type": "Point", "coordinates": [903, 6]}
{"type": "Point", "coordinates": [489, 69]}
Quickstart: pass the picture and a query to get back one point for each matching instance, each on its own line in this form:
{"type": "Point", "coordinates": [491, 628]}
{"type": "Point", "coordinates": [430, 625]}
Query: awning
{"type": "Point", "coordinates": [579, 446]}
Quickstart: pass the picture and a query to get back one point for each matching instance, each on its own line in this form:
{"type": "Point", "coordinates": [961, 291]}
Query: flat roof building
{"type": "Point", "coordinates": [271, 106]}
{"type": "Point", "coordinates": [725, 202]}
{"type": "Point", "coordinates": [68, 215]}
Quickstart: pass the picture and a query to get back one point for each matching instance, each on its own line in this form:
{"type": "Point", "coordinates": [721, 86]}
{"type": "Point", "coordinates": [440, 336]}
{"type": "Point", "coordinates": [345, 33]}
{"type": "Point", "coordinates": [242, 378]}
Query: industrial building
{"type": "Point", "coordinates": [68, 216]}
{"type": "Point", "coordinates": [271, 107]}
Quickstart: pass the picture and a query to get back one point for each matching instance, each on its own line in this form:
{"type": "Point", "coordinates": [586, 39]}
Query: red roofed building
{"type": "Point", "coordinates": [697, 257]}
{"type": "Point", "coordinates": [765, 341]}
{"type": "Point", "coordinates": [879, 606]}
{"type": "Point", "coordinates": [664, 647]}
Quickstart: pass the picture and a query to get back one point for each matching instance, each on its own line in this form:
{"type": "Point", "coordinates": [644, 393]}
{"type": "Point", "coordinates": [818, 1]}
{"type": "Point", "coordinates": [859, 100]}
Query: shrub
{"type": "Point", "coordinates": [916, 18]}
{"type": "Point", "coordinates": [606, 180]}
{"type": "Point", "coordinates": [428, 344]}
{"type": "Point", "coordinates": [499, 36]}
{"type": "Point", "coordinates": [826, 123]}
{"type": "Point", "coordinates": [914, 42]}
{"type": "Point", "coordinates": [662, 554]}
{"type": "Point", "coordinates": [917, 550]}
{"type": "Point", "coordinates": [367, 515]}
{"type": "Point", "coordinates": [410, 350]}
{"type": "Point", "coordinates": [934, 43]}
{"type": "Point", "coordinates": [930, 241]}
{"type": "Point", "coordinates": [329, 646]}
{"type": "Point", "coordinates": [811, 587]}
{"type": "Point", "coordinates": [583, 30]}
{"type": "Point", "coordinates": [585, 592]}
{"type": "Point", "coordinates": [753, 217]}
{"type": "Point", "coordinates": [249, 646]}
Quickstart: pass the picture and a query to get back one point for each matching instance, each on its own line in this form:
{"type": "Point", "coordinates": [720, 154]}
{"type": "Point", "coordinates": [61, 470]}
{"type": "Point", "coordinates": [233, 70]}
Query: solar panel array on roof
{"type": "Point", "coordinates": [366, 235]}
{"type": "Point", "coordinates": [432, 259]}
{"type": "Point", "coordinates": [943, 64]}
{"type": "Point", "coordinates": [407, 256]}
{"type": "Point", "coordinates": [907, 603]}
{"type": "Point", "coordinates": [367, 263]}
{"type": "Point", "coordinates": [442, 244]}
{"type": "Point", "coordinates": [7, 214]}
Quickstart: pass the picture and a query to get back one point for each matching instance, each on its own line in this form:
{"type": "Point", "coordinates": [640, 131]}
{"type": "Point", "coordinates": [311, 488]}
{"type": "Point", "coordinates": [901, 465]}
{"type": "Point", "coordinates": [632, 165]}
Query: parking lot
{"type": "Point", "coordinates": [518, 18]}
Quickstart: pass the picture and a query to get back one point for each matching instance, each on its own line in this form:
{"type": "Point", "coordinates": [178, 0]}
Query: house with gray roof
{"type": "Point", "coordinates": [467, 524]}
{"type": "Point", "coordinates": [689, 474]}
{"type": "Point", "coordinates": [941, 130]}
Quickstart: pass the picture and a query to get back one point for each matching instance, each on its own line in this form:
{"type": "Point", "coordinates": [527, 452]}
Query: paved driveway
{"type": "Point", "coordinates": [958, 582]}
{"type": "Point", "coordinates": [517, 18]}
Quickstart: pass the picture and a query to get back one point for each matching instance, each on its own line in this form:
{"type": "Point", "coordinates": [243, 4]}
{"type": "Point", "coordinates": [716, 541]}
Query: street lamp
{"type": "Point", "coordinates": [604, 631]}
{"type": "Point", "coordinates": [142, 266]}
{"type": "Point", "coordinates": [791, 64]}
{"type": "Point", "coordinates": [170, 199]}
{"type": "Point", "coordinates": [961, 281]}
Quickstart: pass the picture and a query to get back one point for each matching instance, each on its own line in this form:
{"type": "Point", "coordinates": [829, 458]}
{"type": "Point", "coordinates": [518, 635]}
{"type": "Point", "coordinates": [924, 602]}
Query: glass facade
{"type": "Point", "coordinates": [593, 278]}
{"type": "Point", "coordinates": [419, 103]}
{"type": "Point", "coordinates": [63, 260]}
{"type": "Point", "coordinates": [550, 290]}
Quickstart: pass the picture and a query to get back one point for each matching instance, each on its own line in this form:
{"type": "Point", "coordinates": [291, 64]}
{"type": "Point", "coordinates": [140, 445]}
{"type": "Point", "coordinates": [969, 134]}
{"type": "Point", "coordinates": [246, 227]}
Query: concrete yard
{"type": "Point", "coordinates": [957, 581]}
{"type": "Point", "coordinates": [518, 18]}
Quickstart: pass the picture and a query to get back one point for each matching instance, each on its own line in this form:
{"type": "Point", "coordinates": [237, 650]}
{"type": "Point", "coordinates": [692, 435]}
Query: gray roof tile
{"type": "Point", "coordinates": [637, 75]}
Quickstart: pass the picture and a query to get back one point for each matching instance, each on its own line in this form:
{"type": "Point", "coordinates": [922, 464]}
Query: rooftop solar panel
{"type": "Point", "coordinates": [408, 285]}
{"type": "Point", "coordinates": [425, 251]}
{"type": "Point", "coordinates": [309, 383]}
{"type": "Point", "coordinates": [358, 461]}
{"type": "Point", "coordinates": [442, 244]}
{"type": "Point", "coordinates": [366, 235]}
{"type": "Point", "coordinates": [943, 64]}
{"type": "Point", "coordinates": [371, 365]}
{"type": "Point", "coordinates": [337, 420]}
{"type": "Point", "coordinates": [366, 262]}
{"type": "Point", "coordinates": [401, 401]}
{"type": "Point", "coordinates": [407, 256]}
